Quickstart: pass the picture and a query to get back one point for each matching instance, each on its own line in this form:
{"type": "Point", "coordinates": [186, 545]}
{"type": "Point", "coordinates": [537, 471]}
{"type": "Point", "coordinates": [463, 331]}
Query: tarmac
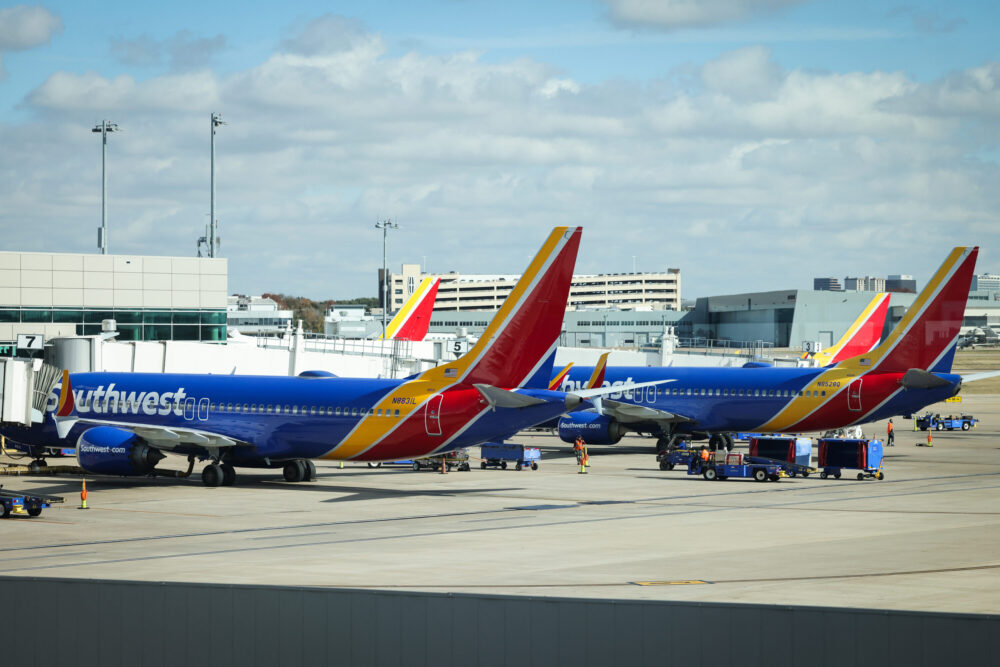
{"type": "Point", "coordinates": [925, 538]}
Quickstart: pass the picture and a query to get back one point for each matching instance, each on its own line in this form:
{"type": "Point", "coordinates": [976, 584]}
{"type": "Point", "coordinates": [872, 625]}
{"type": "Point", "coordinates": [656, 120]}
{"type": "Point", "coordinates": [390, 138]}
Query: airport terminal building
{"type": "Point", "coordinates": [477, 292]}
{"type": "Point", "coordinates": [150, 298]}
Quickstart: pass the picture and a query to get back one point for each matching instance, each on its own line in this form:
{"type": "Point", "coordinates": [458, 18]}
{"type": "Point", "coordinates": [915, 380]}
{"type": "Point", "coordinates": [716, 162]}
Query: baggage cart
{"type": "Point", "coordinates": [497, 454]}
{"type": "Point", "coordinates": [838, 454]}
{"type": "Point", "coordinates": [793, 454]}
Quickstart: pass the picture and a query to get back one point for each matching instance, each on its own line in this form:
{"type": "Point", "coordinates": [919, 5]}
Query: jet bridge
{"type": "Point", "coordinates": [25, 385]}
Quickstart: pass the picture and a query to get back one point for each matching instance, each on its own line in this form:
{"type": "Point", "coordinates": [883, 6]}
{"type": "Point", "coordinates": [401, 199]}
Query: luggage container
{"type": "Point", "coordinates": [795, 454]}
{"type": "Point", "coordinates": [837, 454]}
{"type": "Point", "coordinates": [497, 454]}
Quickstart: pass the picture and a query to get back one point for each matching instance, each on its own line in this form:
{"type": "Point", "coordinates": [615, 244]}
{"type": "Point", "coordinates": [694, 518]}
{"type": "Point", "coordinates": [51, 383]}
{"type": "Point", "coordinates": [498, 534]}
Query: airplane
{"type": "Point", "coordinates": [413, 320]}
{"type": "Point", "coordinates": [908, 371]}
{"type": "Point", "coordinates": [125, 423]}
{"type": "Point", "coordinates": [860, 338]}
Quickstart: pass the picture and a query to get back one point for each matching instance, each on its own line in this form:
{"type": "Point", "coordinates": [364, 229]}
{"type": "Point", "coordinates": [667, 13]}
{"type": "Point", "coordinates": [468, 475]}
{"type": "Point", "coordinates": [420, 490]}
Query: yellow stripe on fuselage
{"type": "Point", "coordinates": [830, 381]}
{"type": "Point", "coordinates": [412, 395]}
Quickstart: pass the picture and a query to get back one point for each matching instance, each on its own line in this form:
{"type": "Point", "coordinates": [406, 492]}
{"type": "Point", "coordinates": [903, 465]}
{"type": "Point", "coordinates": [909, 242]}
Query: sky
{"type": "Point", "coordinates": [753, 144]}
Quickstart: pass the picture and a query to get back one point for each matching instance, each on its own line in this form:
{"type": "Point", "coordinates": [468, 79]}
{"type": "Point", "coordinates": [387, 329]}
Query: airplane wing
{"type": "Point", "coordinates": [631, 413]}
{"type": "Point", "coordinates": [166, 438]}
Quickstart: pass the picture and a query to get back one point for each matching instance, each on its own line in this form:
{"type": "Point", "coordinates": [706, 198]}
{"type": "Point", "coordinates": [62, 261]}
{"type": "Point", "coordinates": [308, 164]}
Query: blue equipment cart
{"type": "Point", "coordinates": [837, 454]}
{"type": "Point", "coordinates": [497, 454]}
{"type": "Point", "coordinates": [935, 422]}
{"type": "Point", "coordinates": [736, 465]}
{"type": "Point", "coordinates": [14, 502]}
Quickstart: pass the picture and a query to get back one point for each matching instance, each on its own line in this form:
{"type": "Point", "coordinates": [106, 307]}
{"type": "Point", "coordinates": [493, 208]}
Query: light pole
{"type": "Point", "coordinates": [212, 237]}
{"type": "Point", "coordinates": [385, 226]}
{"type": "Point", "coordinates": [102, 233]}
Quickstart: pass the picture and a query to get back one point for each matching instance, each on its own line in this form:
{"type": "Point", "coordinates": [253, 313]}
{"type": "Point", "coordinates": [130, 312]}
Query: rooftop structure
{"type": "Point", "coordinates": [254, 315]}
{"type": "Point", "coordinates": [150, 298]}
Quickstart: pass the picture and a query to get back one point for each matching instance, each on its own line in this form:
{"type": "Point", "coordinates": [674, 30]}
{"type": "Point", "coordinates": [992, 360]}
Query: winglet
{"type": "Point", "coordinates": [558, 379]}
{"type": "Point", "coordinates": [862, 336]}
{"type": "Point", "coordinates": [597, 377]}
{"type": "Point", "coordinates": [414, 318]}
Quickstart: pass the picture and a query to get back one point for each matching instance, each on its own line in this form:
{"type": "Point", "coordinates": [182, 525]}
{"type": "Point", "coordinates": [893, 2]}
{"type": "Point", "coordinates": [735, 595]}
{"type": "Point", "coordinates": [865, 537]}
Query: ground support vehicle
{"type": "Point", "coordinates": [497, 454]}
{"type": "Point", "coordinates": [676, 457]}
{"type": "Point", "coordinates": [455, 459]}
{"type": "Point", "coordinates": [837, 455]}
{"type": "Point", "coordinates": [17, 503]}
{"type": "Point", "coordinates": [735, 466]}
{"type": "Point", "coordinates": [936, 422]}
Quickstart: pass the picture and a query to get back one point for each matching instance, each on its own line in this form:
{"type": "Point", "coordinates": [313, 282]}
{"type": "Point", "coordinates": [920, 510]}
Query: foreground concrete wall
{"type": "Point", "coordinates": [108, 623]}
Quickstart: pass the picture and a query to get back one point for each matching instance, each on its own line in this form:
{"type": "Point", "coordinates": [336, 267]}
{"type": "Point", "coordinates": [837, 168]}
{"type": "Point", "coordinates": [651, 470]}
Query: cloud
{"type": "Point", "coordinates": [927, 22]}
{"type": "Point", "coordinates": [678, 14]}
{"type": "Point", "coordinates": [181, 52]}
{"type": "Point", "coordinates": [716, 168]}
{"type": "Point", "coordinates": [23, 28]}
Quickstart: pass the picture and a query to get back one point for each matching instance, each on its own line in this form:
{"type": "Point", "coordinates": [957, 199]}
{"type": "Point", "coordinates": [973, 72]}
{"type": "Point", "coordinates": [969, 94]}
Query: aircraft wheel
{"type": "Point", "coordinates": [293, 471]}
{"type": "Point", "coordinates": [730, 441]}
{"type": "Point", "coordinates": [228, 474]}
{"type": "Point", "coordinates": [760, 475]}
{"type": "Point", "coordinates": [211, 475]}
{"type": "Point", "coordinates": [716, 442]}
{"type": "Point", "coordinates": [710, 474]}
{"type": "Point", "coordinates": [309, 469]}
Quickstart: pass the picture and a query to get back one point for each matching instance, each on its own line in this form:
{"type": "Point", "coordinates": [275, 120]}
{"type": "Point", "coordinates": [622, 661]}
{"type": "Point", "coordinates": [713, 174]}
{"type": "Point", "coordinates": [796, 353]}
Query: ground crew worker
{"type": "Point", "coordinates": [702, 460]}
{"type": "Point", "coordinates": [890, 435]}
{"type": "Point", "coordinates": [578, 449]}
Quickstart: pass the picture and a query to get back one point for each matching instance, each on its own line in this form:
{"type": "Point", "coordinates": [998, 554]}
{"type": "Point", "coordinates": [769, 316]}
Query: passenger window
{"type": "Point", "coordinates": [312, 410]}
{"type": "Point", "coordinates": [336, 411]}
{"type": "Point", "coordinates": [822, 393]}
{"type": "Point", "coordinates": [397, 413]}
{"type": "Point", "coordinates": [295, 409]}
{"type": "Point", "coordinates": [236, 408]}
{"type": "Point", "coordinates": [379, 412]}
{"type": "Point", "coordinates": [756, 392]}
{"type": "Point", "coordinates": [354, 412]}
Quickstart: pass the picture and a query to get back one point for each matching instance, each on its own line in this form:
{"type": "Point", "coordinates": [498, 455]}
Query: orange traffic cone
{"type": "Point", "coordinates": [83, 496]}
{"type": "Point", "coordinates": [930, 440]}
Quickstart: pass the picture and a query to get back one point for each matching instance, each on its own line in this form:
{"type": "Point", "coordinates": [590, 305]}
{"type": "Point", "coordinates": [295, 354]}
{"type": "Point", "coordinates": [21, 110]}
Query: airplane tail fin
{"type": "Point", "coordinates": [862, 336]}
{"type": "Point", "coordinates": [65, 414]}
{"type": "Point", "coordinates": [414, 318]}
{"type": "Point", "coordinates": [926, 336]}
{"type": "Point", "coordinates": [517, 348]}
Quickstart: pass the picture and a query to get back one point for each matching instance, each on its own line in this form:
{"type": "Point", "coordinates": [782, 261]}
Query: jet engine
{"type": "Point", "coordinates": [596, 429]}
{"type": "Point", "coordinates": [106, 450]}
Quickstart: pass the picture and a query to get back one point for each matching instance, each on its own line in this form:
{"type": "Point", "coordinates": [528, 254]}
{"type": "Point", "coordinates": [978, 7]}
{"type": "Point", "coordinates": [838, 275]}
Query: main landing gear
{"type": "Point", "coordinates": [720, 441]}
{"type": "Point", "coordinates": [299, 470]}
{"type": "Point", "coordinates": [218, 474]}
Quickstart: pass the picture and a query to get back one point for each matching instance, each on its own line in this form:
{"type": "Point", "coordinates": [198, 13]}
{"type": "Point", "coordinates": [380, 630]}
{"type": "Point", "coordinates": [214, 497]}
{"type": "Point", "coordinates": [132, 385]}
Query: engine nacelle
{"type": "Point", "coordinates": [106, 450]}
{"type": "Point", "coordinates": [595, 428]}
